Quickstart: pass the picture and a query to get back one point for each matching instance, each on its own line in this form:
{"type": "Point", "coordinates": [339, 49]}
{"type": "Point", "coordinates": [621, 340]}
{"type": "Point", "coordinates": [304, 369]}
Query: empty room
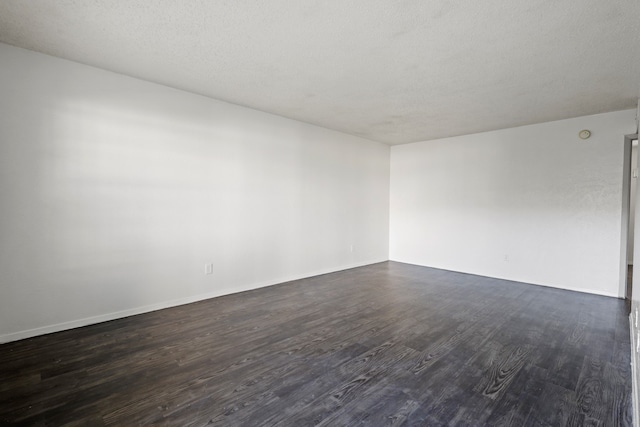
{"type": "Point", "coordinates": [297, 213]}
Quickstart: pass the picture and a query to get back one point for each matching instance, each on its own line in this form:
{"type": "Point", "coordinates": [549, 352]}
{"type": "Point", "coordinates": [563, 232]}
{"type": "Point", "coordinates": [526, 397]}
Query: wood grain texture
{"type": "Point", "coordinates": [389, 344]}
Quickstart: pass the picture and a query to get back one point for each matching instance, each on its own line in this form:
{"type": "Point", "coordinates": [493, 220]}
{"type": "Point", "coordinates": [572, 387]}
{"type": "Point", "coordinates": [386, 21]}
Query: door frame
{"type": "Point", "coordinates": [626, 199]}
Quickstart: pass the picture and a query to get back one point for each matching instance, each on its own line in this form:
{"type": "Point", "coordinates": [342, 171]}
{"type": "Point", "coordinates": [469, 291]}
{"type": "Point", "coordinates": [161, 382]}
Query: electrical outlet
{"type": "Point", "coordinates": [506, 258]}
{"type": "Point", "coordinates": [351, 248]}
{"type": "Point", "coordinates": [208, 269]}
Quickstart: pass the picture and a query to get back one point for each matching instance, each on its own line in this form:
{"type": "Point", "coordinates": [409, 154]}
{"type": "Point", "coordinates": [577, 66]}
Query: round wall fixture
{"type": "Point", "coordinates": [584, 134]}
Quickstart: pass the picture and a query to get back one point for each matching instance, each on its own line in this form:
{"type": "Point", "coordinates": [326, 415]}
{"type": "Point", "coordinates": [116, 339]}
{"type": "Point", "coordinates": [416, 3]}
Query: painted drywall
{"type": "Point", "coordinates": [534, 204]}
{"type": "Point", "coordinates": [634, 320]}
{"type": "Point", "coordinates": [115, 193]}
{"type": "Point", "coordinates": [632, 201]}
{"type": "Point", "coordinates": [635, 308]}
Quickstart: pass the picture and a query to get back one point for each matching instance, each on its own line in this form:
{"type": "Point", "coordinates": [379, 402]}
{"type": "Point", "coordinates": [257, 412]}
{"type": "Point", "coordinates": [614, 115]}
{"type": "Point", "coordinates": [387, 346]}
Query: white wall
{"type": "Point", "coordinates": [632, 204]}
{"type": "Point", "coordinates": [538, 195]}
{"type": "Point", "coordinates": [115, 192]}
{"type": "Point", "coordinates": [634, 318]}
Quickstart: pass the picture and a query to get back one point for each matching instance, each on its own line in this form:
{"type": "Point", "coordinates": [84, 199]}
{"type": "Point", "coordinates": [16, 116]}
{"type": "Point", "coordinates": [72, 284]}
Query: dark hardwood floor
{"type": "Point", "coordinates": [384, 345]}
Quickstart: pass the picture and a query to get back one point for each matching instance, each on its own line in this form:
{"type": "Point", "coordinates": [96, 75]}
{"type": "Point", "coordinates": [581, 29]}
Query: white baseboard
{"type": "Point", "coordinates": [28, 333]}
{"type": "Point", "coordinates": [511, 279]}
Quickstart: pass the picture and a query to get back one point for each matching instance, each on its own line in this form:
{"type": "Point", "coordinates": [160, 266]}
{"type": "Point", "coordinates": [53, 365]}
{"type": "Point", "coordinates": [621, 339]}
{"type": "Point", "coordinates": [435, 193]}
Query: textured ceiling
{"type": "Point", "coordinates": [392, 71]}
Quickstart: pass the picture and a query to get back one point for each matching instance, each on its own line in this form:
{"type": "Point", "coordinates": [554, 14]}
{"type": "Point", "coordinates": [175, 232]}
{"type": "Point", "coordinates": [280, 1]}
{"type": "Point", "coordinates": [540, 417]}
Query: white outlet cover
{"type": "Point", "coordinates": [208, 269]}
